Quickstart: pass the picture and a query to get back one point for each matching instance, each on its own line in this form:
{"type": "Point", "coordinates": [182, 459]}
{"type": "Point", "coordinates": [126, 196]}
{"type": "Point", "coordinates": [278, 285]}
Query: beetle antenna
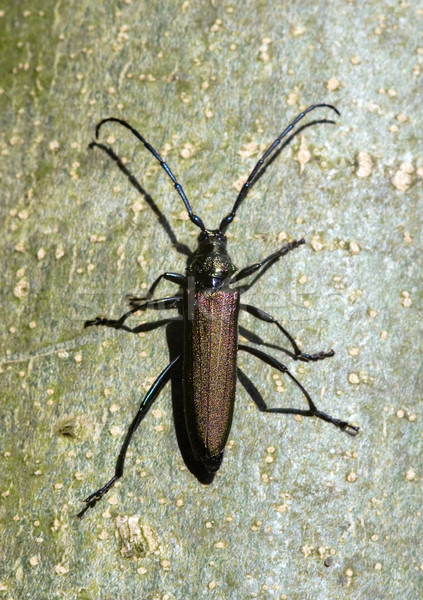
{"type": "Point", "coordinates": [194, 218]}
{"type": "Point", "coordinates": [226, 221]}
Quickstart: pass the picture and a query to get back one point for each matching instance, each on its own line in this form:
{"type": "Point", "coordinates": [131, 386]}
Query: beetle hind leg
{"type": "Point", "coordinates": [312, 411]}
{"type": "Point", "coordinates": [151, 395]}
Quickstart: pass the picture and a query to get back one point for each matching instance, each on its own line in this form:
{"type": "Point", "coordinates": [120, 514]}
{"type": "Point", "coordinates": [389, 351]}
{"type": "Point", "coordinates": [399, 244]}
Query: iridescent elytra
{"type": "Point", "coordinates": [210, 304]}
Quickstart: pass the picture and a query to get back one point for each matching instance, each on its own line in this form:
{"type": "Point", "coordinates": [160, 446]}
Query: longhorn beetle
{"type": "Point", "coordinates": [210, 307]}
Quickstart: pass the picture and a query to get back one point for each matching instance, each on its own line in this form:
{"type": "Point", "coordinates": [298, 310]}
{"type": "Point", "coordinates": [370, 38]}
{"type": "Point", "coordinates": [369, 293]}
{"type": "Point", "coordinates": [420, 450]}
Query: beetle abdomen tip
{"type": "Point", "coordinates": [212, 463]}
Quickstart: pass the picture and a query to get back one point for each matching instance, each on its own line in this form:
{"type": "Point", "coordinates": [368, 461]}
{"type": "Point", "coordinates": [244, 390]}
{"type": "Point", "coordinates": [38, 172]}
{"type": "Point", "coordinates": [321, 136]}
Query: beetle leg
{"type": "Point", "coordinates": [246, 271]}
{"type": "Point", "coordinates": [312, 411]}
{"type": "Point", "coordinates": [177, 278]}
{"type": "Point", "coordinates": [263, 316]}
{"type": "Point", "coordinates": [151, 395]}
{"type": "Point", "coordinates": [160, 303]}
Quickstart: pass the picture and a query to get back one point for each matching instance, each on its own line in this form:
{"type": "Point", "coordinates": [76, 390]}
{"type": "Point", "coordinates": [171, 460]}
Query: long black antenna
{"type": "Point", "coordinates": [226, 221]}
{"type": "Point", "coordinates": [194, 218]}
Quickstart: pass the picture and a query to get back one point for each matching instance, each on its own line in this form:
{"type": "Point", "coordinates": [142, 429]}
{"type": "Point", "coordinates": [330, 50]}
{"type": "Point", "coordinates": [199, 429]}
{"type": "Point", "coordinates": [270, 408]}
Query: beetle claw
{"type": "Point", "coordinates": [352, 430]}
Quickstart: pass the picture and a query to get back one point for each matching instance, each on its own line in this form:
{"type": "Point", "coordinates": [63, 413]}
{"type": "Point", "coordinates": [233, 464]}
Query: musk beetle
{"type": "Point", "coordinates": [210, 304]}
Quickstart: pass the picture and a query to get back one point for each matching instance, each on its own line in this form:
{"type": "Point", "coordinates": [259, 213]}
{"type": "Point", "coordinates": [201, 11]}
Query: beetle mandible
{"type": "Point", "coordinates": [210, 307]}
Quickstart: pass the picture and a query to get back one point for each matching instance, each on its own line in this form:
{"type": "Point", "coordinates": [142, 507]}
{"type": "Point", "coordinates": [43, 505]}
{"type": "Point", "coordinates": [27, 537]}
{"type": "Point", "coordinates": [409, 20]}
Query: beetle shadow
{"type": "Point", "coordinates": [251, 389]}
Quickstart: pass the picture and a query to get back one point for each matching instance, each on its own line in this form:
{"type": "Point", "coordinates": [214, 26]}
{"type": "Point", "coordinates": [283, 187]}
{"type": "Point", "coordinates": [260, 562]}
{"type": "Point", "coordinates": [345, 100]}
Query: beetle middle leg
{"type": "Point", "coordinates": [298, 354]}
{"type": "Point", "coordinates": [144, 303]}
{"type": "Point", "coordinates": [160, 303]}
{"type": "Point", "coordinates": [312, 411]}
{"type": "Point", "coordinates": [177, 278]}
{"type": "Point", "coordinates": [151, 395]}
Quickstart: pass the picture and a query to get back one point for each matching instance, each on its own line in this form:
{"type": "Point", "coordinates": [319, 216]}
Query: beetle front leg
{"type": "Point", "coordinates": [312, 411]}
{"type": "Point", "coordinates": [269, 260]}
{"type": "Point", "coordinates": [299, 355]}
{"type": "Point", "coordinates": [151, 395]}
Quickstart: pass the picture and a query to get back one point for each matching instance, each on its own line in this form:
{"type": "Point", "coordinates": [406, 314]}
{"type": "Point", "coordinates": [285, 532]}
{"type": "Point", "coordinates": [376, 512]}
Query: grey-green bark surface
{"type": "Point", "coordinates": [298, 510]}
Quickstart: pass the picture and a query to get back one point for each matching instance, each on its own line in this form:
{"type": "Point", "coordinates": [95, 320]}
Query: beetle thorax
{"type": "Point", "coordinates": [211, 264]}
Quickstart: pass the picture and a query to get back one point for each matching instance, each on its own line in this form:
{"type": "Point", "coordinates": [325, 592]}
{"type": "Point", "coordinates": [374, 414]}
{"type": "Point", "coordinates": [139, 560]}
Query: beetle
{"type": "Point", "coordinates": [210, 305]}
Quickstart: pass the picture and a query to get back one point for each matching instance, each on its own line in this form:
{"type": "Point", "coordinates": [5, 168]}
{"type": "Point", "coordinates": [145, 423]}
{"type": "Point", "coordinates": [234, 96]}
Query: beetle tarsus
{"type": "Point", "coordinates": [92, 499]}
{"type": "Point", "coordinates": [96, 496]}
{"type": "Point", "coordinates": [342, 425]}
{"type": "Point", "coordinates": [314, 357]}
